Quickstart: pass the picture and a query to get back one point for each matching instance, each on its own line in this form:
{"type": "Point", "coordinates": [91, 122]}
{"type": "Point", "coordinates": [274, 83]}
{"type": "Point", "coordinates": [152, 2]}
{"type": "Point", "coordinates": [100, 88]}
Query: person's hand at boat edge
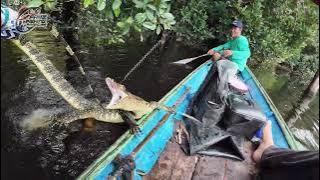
{"type": "Point", "coordinates": [211, 52]}
{"type": "Point", "coordinates": [227, 53]}
{"type": "Point", "coordinates": [215, 55]}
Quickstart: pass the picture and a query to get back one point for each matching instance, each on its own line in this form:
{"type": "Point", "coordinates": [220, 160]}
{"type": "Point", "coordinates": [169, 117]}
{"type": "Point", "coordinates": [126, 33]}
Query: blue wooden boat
{"type": "Point", "coordinates": [155, 155]}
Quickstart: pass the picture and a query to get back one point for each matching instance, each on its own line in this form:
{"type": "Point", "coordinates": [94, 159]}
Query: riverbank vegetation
{"type": "Point", "coordinates": [280, 32]}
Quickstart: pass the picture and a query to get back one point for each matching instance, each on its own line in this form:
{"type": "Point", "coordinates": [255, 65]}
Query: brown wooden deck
{"type": "Point", "coordinates": [174, 164]}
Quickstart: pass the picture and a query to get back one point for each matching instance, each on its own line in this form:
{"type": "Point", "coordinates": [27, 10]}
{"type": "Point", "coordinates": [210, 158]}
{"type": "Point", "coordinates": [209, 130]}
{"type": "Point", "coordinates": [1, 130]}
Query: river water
{"type": "Point", "coordinates": [285, 92]}
{"type": "Point", "coordinates": [64, 152]}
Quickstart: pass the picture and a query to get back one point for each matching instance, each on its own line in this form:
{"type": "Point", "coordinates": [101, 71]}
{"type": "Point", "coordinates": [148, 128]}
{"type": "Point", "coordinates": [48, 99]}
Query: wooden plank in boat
{"type": "Point", "coordinates": [173, 164]}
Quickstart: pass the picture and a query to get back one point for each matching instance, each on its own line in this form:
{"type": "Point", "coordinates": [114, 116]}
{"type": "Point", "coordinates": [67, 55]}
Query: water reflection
{"type": "Point", "coordinates": [285, 92]}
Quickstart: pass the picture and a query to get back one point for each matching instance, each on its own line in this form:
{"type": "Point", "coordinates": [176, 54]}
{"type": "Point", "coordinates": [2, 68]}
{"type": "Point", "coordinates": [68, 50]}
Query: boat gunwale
{"type": "Point", "coordinates": [292, 142]}
{"type": "Point", "coordinates": [108, 156]}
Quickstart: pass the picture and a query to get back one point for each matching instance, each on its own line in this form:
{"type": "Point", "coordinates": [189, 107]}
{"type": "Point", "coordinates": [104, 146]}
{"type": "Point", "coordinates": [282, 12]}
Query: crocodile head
{"type": "Point", "coordinates": [118, 92]}
{"type": "Point", "coordinates": [124, 100]}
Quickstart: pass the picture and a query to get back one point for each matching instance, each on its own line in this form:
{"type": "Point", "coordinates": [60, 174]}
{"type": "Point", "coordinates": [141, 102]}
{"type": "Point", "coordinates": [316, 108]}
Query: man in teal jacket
{"type": "Point", "coordinates": [237, 49]}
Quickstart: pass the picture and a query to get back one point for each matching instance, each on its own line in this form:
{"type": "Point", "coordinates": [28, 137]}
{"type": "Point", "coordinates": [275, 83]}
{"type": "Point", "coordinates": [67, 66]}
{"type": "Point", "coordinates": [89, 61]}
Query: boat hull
{"type": "Point", "coordinates": [147, 155]}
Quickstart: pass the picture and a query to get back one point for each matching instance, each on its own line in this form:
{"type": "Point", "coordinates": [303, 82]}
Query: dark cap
{"type": "Point", "coordinates": [237, 23]}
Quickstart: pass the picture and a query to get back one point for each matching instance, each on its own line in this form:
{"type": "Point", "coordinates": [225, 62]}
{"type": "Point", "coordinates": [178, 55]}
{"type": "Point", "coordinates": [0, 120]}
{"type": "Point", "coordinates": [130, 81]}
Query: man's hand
{"type": "Point", "coordinates": [210, 52]}
{"type": "Point", "coordinates": [216, 56]}
{"type": "Point", "coordinates": [227, 53]}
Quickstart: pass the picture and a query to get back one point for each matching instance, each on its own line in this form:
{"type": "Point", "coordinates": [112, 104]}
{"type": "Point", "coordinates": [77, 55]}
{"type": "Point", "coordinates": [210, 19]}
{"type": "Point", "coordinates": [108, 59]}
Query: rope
{"type": "Point", "coordinates": [141, 61]}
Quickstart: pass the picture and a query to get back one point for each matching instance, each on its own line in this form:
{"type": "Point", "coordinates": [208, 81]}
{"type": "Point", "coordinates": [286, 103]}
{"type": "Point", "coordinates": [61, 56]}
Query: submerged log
{"type": "Point", "coordinates": [303, 104]}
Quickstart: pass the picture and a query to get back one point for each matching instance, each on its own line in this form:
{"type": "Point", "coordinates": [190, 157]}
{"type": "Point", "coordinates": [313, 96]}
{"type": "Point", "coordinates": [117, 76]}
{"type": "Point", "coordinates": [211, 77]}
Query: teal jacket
{"type": "Point", "coordinates": [240, 51]}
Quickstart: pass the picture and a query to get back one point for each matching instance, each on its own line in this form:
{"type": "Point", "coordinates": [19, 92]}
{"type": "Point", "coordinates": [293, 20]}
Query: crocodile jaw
{"type": "Point", "coordinates": [117, 91]}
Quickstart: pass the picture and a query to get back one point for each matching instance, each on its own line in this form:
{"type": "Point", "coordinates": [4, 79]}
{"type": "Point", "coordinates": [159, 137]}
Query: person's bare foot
{"type": "Point", "coordinates": [267, 141]}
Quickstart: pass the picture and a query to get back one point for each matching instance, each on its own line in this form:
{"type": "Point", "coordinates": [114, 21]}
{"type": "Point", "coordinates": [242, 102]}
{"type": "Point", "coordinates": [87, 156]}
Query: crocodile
{"type": "Point", "coordinates": [123, 107]}
{"type": "Point", "coordinates": [83, 108]}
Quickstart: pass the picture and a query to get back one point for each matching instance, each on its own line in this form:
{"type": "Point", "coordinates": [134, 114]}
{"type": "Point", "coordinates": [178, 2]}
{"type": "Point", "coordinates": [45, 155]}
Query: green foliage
{"type": "Point", "coordinates": [305, 66]}
{"type": "Point", "coordinates": [277, 30]}
{"type": "Point", "coordinates": [154, 15]}
{"type": "Point", "coordinates": [87, 3]}
{"type": "Point", "coordinates": [192, 25]}
{"type": "Point", "coordinates": [116, 7]}
{"type": "Point", "coordinates": [35, 3]}
{"type": "Point", "coordinates": [98, 27]}
{"type": "Point", "coordinates": [101, 5]}
{"type": "Point", "coordinates": [138, 15]}
{"type": "Point", "coordinates": [281, 30]}
{"type": "Point", "coordinates": [48, 5]}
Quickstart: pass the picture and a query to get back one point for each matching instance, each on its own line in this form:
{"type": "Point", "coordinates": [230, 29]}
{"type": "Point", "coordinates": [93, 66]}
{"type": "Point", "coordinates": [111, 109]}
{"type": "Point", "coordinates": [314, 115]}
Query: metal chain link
{"type": "Point", "coordinates": [141, 60]}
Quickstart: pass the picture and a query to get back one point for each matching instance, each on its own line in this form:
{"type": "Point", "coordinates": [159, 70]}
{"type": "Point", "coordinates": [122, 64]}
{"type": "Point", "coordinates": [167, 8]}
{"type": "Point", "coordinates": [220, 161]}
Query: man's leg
{"type": "Point", "coordinates": [226, 70]}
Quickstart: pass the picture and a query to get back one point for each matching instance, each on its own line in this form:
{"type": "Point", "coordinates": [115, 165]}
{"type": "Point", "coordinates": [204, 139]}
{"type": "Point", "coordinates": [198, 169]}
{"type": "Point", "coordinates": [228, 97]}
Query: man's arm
{"type": "Point", "coordinates": [217, 51]}
{"type": "Point", "coordinates": [243, 52]}
{"type": "Point", "coordinates": [222, 47]}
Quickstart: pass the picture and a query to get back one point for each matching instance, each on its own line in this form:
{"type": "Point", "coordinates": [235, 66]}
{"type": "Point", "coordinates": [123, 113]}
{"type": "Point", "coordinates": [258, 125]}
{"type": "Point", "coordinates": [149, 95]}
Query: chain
{"type": "Point", "coordinates": [141, 60]}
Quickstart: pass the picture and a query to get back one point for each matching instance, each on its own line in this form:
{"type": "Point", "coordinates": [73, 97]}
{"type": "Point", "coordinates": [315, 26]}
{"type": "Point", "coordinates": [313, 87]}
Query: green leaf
{"type": "Point", "coordinates": [140, 17]}
{"type": "Point", "coordinates": [149, 25]}
{"type": "Point", "coordinates": [150, 15]}
{"type": "Point", "coordinates": [163, 6]}
{"type": "Point", "coordinates": [126, 30]}
{"type": "Point", "coordinates": [121, 40]}
{"type": "Point", "coordinates": [172, 22]}
{"type": "Point", "coordinates": [35, 3]}
{"type": "Point", "coordinates": [109, 13]}
{"type": "Point", "coordinates": [49, 6]}
{"type": "Point", "coordinates": [139, 4]}
{"type": "Point", "coordinates": [88, 3]}
{"type": "Point", "coordinates": [166, 26]}
{"type": "Point", "coordinates": [152, 7]}
{"type": "Point", "coordinates": [116, 4]}
{"type": "Point", "coordinates": [168, 16]}
{"type": "Point", "coordinates": [117, 12]}
{"type": "Point", "coordinates": [121, 24]}
{"type": "Point", "coordinates": [161, 11]}
{"type": "Point", "coordinates": [101, 5]}
{"type": "Point", "coordinates": [137, 28]}
{"type": "Point", "coordinates": [129, 20]}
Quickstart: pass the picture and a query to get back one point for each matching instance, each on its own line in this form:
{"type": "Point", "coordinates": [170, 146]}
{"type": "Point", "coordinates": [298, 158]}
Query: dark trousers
{"type": "Point", "coordinates": [285, 164]}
